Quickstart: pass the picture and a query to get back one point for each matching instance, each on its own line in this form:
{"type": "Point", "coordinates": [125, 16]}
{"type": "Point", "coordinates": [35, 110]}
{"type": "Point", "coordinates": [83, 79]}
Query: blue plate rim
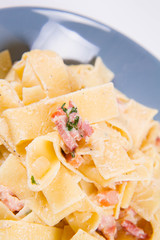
{"type": "Point", "coordinates": [133, 46]}
{"type": "Point", "coordinates": [87, 18]}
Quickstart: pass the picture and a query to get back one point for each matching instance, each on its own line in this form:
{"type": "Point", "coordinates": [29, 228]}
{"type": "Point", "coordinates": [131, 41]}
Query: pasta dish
{"type": "Point", "coordinates": [79, 160]}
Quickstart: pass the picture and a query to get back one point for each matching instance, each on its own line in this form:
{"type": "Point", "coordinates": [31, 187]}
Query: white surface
{"type": "Point", "coordinates": [137, 19]}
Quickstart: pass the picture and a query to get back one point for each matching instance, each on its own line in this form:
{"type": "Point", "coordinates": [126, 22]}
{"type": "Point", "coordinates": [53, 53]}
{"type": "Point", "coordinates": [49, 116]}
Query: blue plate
{"type": "Point", "coordinates": [80, 39]}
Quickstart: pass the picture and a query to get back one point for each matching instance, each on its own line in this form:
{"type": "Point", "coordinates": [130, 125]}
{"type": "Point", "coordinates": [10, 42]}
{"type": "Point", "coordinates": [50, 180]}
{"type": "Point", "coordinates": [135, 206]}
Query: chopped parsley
{"type": "Point", "coordinates": [73, 154]}
{"type": "Point", "coordinates": [74, 109]}
{"type": "Point", "coordinates": [63, 108]}
{"type": "Point", "coordinates": [71, 125]}
{"type": "Point", "coordinates": [76, 120]}
{"type": "Point", "coordinates": [33, 181]}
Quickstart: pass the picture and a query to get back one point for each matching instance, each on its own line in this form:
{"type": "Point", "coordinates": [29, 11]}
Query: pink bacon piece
{"type": "Point", "coordinates": [75, 161]}
{"type": "Point", "coordinates": [71, 104]}
{"type": "Point", "coordinates": [108, 198]}
{"type": "Point", "coordinates": [134, 230]}
{"type": "Point", "coordinates": [158, 141]}
{"type": "Point", "coordinates": [11, 201]}
{"type": "Point", "coordinates": [74, 132]}
{"type": "Point", "coordinates": [70, 138]}
{"type": "Point", "coordinates": [84, 129]}
{"type": "Point", "coordinates": [108, 227]}
{"type": "Point", "coordinates": [58, 113]}
{"type": "Point", "coordinates": [61, 121]}
{"type": "Point", "coordinates": [129, 214]}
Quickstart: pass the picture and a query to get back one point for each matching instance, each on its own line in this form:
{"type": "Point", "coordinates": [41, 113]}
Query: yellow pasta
{"type": "Point", "coordinates": [29, 78]}
{"type": "Point", "coordinates": [63, 191]}
{"type": "Point", "coordinates": [67, 233]}
{"type": "Point", "coordinates": [146, 200]}
{"type": "Point", "coordinates": [8, 96]}
{"type": "Point", "coordinates": [87, 217]}
{"type": "Point", "coordinates": [31, 217]}
{"type": "Point", "coordinates": [82, 235]}
{"type": "Point", "coordinates": [138, 118]}
{"type": "Point", "coordinates": [12, 75]}
{"type": "Point", "coordinates": [17, 87]}
{"type": "Point", "coordinates": [40, 206]}
{"type": "Point", "coordinates": [19, 68]}
{"type": "Point", "coordinates": [42, 162]}
{"type": "Point", "coordinates": [5, 63]}
{"type": "Point", "coordinates": [32, 94]}
{"type": "Point", "coordinates": [128, 194]}
{"type": "Point", "coordinates": [85, 75]}
{"type": "Point", "coordinates": [5, 136]}
{"type": "Point", "coordinates": [114, 162]}
{"type": "Point", "coordinates": [122, 188]}
{"type": "Point", "coordinates": [37, 117]}
{"type": "Point", "coordinates": [6, 214]}
{"type": "Point", "coordinates": [54, 77]}
{"type": "Point", "coordinates": [14, 171]}
{"type": "Point", "coordinates": [79, 160]}
{"type": "Point", "coordinates": [23, 230]}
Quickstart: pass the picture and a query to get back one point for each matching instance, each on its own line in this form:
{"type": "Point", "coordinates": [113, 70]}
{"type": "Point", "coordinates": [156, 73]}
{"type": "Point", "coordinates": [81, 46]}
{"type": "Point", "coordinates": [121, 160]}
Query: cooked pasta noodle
{"type": "Point", "coordinates": [78, 159]}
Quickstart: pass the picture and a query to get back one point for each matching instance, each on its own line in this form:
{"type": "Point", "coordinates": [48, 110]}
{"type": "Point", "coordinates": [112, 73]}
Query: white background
{"type": "Point", "coordinates": [137, 19]}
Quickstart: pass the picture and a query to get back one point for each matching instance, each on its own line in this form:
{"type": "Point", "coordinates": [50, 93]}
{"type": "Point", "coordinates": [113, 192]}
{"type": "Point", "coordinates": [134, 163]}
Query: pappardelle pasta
{"type": "Point", "coordinates": [79, 160]}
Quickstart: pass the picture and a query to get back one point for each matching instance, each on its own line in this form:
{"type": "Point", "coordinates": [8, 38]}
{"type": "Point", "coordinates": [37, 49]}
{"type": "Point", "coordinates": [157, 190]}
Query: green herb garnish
{"type": "Point", "coordinates": [69, 125]}
{"type": "Point", "coordinates": [76, 120]}
{"type": "Point", "coordinates": [74, 109]}
{"type": "Point", "coordinates": [33, 181]}
{"type": "Point", "coordinates": [63, 108]}
{"type": "Point", "coordinates": [73, 154]}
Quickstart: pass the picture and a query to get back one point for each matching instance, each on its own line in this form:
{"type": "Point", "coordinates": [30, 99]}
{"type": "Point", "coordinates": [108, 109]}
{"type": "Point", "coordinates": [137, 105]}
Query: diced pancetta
{"type": "Point", "coordinates": [158, 141]}
{"type": "Point", "coordinates": [108, 227]}
{"type": "Point", "coordinates": [60, 122]}
{"type": "Point", "coordinates": [70, 126]}
{"type": "Point", "coordinates": [75, 161]}
{"type": "Point", "coordinates": [10, 200]}
{"type": "Point", "coordinates": [107, 198]}
{"type": "Point", "coordinates": [132, 229]}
